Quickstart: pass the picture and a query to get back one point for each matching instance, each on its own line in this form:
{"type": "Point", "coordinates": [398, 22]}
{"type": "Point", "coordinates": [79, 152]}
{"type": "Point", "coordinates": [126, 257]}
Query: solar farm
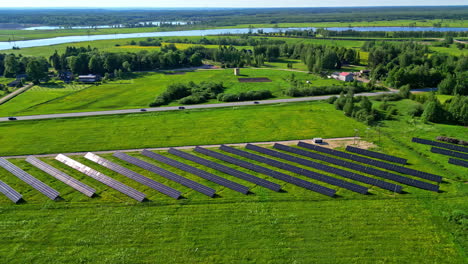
{"type": "Point", "coordinates": [318, 169]}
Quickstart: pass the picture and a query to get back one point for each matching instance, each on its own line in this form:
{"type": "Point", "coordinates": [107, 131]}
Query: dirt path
{"type": "Point", "coordinates": [329, 142]}
{"type": "Point", "coordinates": [15, 93]}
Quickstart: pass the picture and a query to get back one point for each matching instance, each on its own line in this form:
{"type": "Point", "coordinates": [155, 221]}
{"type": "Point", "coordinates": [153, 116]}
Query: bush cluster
{"type": "Point", "coordinates": [189, 93]}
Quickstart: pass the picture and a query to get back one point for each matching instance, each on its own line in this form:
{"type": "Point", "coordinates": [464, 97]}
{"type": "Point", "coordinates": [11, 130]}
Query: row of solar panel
{"type": "Point", "coordinates": [376, 163]}
{"type": "Point", "coordinates": [361, 168]}
{"type": "Point", "coordinates": [449, 153]}
{"type": "Point", "coordinates": [440, 145]}
{"type": "Point", "coordinates": [458, 162]}
{"type": "Point", "coordinates": [376, 155]}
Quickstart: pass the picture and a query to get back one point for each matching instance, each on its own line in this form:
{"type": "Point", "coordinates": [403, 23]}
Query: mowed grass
{"type": "Point", "coordinates": [176, 128]}
{"type": "Point", "coordinates": [141, 90]}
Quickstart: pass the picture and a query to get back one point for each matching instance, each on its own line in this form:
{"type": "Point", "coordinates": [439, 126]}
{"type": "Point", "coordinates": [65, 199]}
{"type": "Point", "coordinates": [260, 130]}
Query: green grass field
{"type": "Point", "coordinates": [141, 91]}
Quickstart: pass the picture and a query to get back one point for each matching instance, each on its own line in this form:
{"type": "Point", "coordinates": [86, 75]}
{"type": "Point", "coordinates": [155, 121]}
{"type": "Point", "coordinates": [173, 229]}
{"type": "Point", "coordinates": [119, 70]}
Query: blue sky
{"type": "Point", "coordinates": [218, 3]}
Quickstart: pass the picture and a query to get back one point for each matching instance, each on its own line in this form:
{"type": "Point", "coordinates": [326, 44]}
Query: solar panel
{"type": "Point", "coordinates": [166, 174]}
{"type": "Point", "coordinates": [449, 153]}
{"type": "Point", "coordinates": [458, 162]}
{"type": "Point", "coordinates": [376, 155]}
{"type": "Point", "coordinates": [129, 191]}
{"type": "Point", "coordinates": [277, 175]}
{"type": "Point", "coordinates": [233, 172]}
{"type": "Point", "coordinates": [440, 145]}
{"type": "Point", "coordinates": [10, 193]}
{"type": "Point", "coordinates": [376, 163]}
{"type": "Point", "coordinates": [61, 176]}
{"type": "Point", "coordinates": [29, 179]}
{"type": "Point", "coordinates": [347, 174]}
{"type": "Point", "coordinates": [201, 173]}
{"type": "Point", "coordinates": [134, 176]}
{"type": "Point", "coordinates": [311, 174]}
{"type": "Point", "coordinates": [362, 168]}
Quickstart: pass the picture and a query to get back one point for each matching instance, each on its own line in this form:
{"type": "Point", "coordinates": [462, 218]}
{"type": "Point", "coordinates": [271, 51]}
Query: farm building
{"type": "Point", "coordinates": [346, 76]}
{"type": "Point", "coordinates": [90, 78]}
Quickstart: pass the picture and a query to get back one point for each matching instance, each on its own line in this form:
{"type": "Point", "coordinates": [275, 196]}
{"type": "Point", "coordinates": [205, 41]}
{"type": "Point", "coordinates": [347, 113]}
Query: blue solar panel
{"type": "Point", "coordinates": [233, 172]}
{"type": "Point", "coordinates": [201, 173]}
{"type": "Point", "coordinates": [167, 174]}
{"type": "Point", "coordinates": [440, 145]}
{"type": "Point", "coordinates": [347, 174]}
{"type": "Point", "coordinates": [134, 176]}
{"type": "Point", "coordinates": [10, 193]}
{"type": "Point", "coordinates": [29, 179]}
{"type": "Point", "coordinates": [449, 153]}
{"type": "Point", "coordinates": [377, 163]}
{"type": "Point", "coordinates": [357, 167]}
{"type": "Point", "coordinates": [376, 155]}
{"type": "Point", "coordinates": [313, 175]}
{"type": "Point", "coordinates": [277, 175]}
{"type": "Point", "coordinates": [458, 162]}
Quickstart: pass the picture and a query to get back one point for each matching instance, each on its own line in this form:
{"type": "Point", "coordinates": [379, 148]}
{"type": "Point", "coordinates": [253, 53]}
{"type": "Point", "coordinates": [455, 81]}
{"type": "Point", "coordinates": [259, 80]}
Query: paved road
{"type": "Point", "coordinates": [172, 108]}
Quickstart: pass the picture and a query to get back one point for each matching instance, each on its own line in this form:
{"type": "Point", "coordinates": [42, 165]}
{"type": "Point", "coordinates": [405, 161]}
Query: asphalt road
{"type": "Point", "coordinates": [172, 108]}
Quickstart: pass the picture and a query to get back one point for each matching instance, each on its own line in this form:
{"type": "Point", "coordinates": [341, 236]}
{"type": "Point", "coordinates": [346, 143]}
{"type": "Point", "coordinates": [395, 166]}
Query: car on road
{"type": "Point", "coordinates": [142, 110]}
{"type": "Point", "coordinates": [256, 102]}
{"type": "Point", "coordinates": [11, 118]}
{"type": "Point", "coordinates": [181, 107]}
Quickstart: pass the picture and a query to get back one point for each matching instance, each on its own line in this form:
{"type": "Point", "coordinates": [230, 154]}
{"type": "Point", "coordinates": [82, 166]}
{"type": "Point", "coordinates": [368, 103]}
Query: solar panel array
{"type": "Point", "coordinates": [134, 176]}
{"type": "Point", "coordinates": [362, 168]}
{"type": "Point", "coordinates": [166, 174]}
{"type": "Point", "coordinates": [347, 174]}
{"type": "Point", "coordinates": [440, 145]}
{"type": "Point", "coordinates": [196, 171]}
{"type": "Point", "coordinates": [10, 193]}
{"type": "Point", "coordinates": [311, 174]}
{"type": "Point", "coordinates": [277, 175]}
{"type": "Point", "coordinates": [449, 153]}
{"type": "Point", "coordinates": [377, 163]}
{"type": "Point", "coordinates": [233, 172]}
{"type": "Point", "coordinates": [376, 155]}
{"type": "Point", "coordinates": [458, 162]}
{"type": "Point", "coordinates": [127, 190]}
{"type": "Point", "coordinates": [61, 176]}
{"type": "Point", "coordinates": [29, 179]}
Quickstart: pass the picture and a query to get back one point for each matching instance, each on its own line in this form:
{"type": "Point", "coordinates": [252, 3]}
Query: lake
{"type": "Point", "coordinates": [187, 33]}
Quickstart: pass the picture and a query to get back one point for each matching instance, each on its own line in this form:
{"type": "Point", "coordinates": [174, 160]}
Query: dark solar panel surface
{"type": "Point", "coordinates": [376, 155]}
{"type": "Point", "coordinates": [361, 168]}
{"type": "Point", "coordinates": [29, 179]}
{"type": "Point", "coordinates": [116, 185]}
{"type": "Point", "coordinates": [311, 174]}
{"type": "Point", "coordinates": [449, 153]}
{"type": "Point", "coordinates": [377, 163]}
{"type": "Point", "coordinates": [277, 175]}
{"type": "Point", "coordinates": [440, 145]}
{"type": "Point", "coordinates": [134, 176]}
{"type": "Point", "coordinates": [347, 174]}
{"type": "Point", "coordinates": [166, 174]}
{"type": "Point", "coordinates": [196, 171]}
{"type": "Point", "coordinates": [10, 193]}
{"type": "Point", "coordinates": [233, 172]}
{"type": "Point", "coordinates": [61, 176]}
{"type": "Point", "coordinates": [458, 162]}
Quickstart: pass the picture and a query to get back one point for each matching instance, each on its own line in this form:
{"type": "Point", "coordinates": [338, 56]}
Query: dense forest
{"type": "Point", "coordinates": [226, 17]}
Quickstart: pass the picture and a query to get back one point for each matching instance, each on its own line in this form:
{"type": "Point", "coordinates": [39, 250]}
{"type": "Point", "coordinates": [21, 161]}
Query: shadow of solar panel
{"type": "Point", "coordinates": [458, 162]}
{"type": "Point", "coordinates": [440, 144]}
{"type": "Point", "coordinates": [116, 185]}
{"type": "Point", "coordinates": [201, 173]}
{"type": "Point", "coordinates": [10, 193]}
{"type": "Point", "coordinates": [376, 155]}
{"type": "Point", "coordinates": [362, 168]}
{"type": "Point", "coordinates": [277, 175]}
{"type": "Point", "coordinates": [134, 176]}
{"type": "Point", "coordinates": [376, 163]}
{"type": "Point", "coordinates": [449, 153]}
{"type": "Point", "coordinates": [311, 174]}
{"type": "Point", "coordinates": [233, 172]}
{"type": "Point", "coordinates": [61, 176]}
{"type": "Point", "coordinates": [29, 179]}
{"type": "Point", "coordinates": [166, 174]}
{"type": "Point", "coordinates": [347, 174]}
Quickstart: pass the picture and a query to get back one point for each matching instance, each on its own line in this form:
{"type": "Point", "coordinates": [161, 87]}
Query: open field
{"type": "Point", "coordinates": [141, 91]}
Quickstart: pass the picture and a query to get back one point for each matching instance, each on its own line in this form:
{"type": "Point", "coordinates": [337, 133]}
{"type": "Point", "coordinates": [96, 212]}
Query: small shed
{"type": "Point", "coordinates": [317, 140]}
{"type": "Point", "coordinates": [236, 71]}
{"type": "Point", "coordinates": [14, 83]}
{"type": "Point", "coordinates": [346, 76]}
{"type": "Point", "coordinates": [90, 78]}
